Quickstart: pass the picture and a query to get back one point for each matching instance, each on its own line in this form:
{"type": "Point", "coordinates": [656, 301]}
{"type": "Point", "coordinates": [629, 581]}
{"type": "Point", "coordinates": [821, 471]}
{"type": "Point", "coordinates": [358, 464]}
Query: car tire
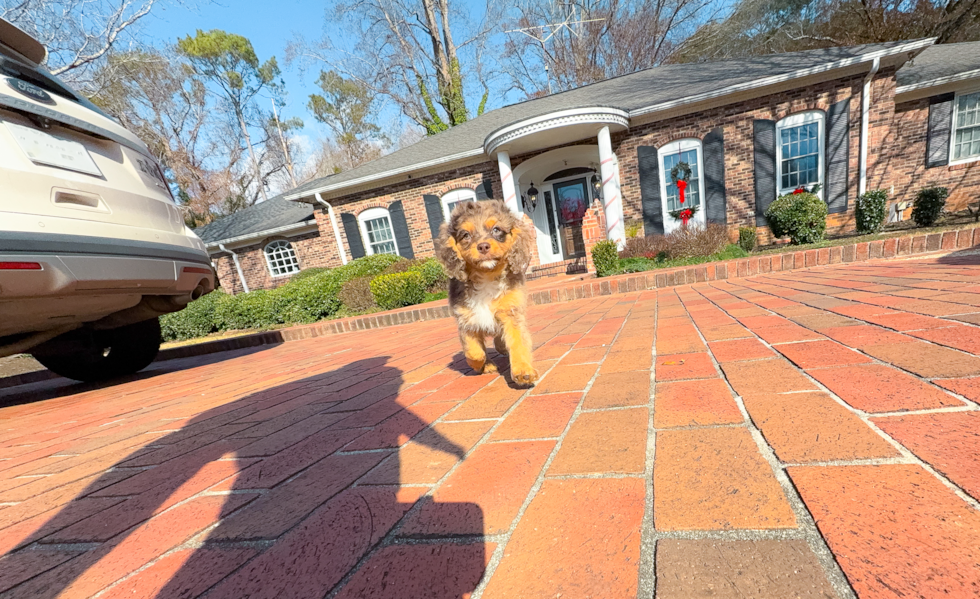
{"type": "Point", "coordinates": [102, 355]}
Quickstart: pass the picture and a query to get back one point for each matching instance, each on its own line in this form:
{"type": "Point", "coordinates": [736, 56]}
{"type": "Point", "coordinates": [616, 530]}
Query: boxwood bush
{"type": "Point", "coordinates": [928, 205]}
{"type": "Point", "coordinates": [356, 294]}
{"type": "Point", "coordinates": [605, 256]}
{"type": "Point", "coordinates": [869, 211]}
{"type": "Point", "coordinates": [198, 319]}
{"type": "Point", "coordinates": [746, 238]}
{"type": "Point", "coordinates": [801, 216]}
{"type": "Point", "coordinates": [399, 289]}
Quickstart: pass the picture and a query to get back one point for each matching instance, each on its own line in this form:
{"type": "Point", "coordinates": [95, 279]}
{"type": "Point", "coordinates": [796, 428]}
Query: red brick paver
{"type": "Point", "coordinates": [804, 434]}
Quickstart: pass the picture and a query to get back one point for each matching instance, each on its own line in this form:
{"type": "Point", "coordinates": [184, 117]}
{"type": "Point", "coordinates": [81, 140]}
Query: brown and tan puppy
{"type": "Point", "coordinates": [486, 248]}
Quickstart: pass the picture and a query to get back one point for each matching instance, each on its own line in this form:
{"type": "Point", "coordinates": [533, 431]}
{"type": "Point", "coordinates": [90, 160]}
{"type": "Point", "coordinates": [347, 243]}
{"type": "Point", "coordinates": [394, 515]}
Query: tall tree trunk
{"type": "Point", "coordinates": [251, 152]}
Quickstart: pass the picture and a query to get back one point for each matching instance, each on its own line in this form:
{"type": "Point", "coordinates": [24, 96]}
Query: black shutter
{"type": "Point", "coordinates": [837, 156]}
{"type": "Point", "coordinates": [940, 123]}
{"type": "Point", "coordinates": [353, 235]}
{"type": "Point", "coordinates": [484, 191]}
{"type": "Point", "coordinates": [433, 212]}
{"type": "Point", "coordinates": [648, 165]}
{"type": "Point", "coordinates": [764, 156]}
{"type": "Point", "coordinates": [716, 209]}
{"type": "Point", "coordinates": [400, 228]}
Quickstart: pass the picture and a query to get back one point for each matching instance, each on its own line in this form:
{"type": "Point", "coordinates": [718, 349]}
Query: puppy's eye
{"type": "Point", "coordinates": [498, 233]}
{"type": "Point", "coordinates": [463, 235]}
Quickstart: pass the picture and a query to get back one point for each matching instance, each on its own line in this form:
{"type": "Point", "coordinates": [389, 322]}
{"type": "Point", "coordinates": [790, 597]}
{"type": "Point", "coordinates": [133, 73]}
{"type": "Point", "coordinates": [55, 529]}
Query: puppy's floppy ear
{"type": "Point", "coordinates": [519, 256]}
{"type": "Point", "coordinates": [448, 254]}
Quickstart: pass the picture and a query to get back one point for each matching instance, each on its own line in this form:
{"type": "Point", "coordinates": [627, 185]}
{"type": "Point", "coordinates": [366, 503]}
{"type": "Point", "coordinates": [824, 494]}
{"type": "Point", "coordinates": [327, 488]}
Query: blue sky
{"type": "Point", "coordinates": [268, 29]}
{"type": "Point", "coordinates": [269, 26]}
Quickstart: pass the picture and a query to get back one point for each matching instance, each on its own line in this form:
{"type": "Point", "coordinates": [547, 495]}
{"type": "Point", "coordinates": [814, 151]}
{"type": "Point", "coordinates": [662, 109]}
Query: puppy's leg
{"type": "Point", "coordinates": [476, 354]}
{"type": "Point", "coordinates": [518, 341]}
{"type": "Point", "coordinates": [499, 345]}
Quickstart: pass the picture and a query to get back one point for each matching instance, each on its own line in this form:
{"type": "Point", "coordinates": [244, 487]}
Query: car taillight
{"type": "Point", "coordinates": [200, 271]}
{"type": "Point", "coordinates": [20, 266]}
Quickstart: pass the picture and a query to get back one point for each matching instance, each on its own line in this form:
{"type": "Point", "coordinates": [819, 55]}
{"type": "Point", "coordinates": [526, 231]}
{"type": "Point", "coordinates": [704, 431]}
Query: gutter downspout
{"type": "Point", "coordinates": [865, 109]}
{"type": "Point", "coordinates": [238, 266]}
{"type": "Point", "coordinates": [336, 231]}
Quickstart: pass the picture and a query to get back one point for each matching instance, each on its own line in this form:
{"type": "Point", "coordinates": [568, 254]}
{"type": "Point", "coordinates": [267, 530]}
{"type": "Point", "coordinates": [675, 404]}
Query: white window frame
{"type": "Point", "coordinates": [371, 214]}
{"type": "Point", "coordinates": [795, 120]}
{"type": "Point", "coordinates": [456, 195]}
{"type": "Point", "coordinates": [681, 145]}
{"type": "Point", "coordinates": [292, 257]}
{"type": "Point", "coordinates": [952, 127]}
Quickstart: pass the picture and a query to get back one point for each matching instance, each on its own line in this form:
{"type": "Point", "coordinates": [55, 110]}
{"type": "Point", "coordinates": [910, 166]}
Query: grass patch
{"type": "Point", "coordinates": [640, 264]}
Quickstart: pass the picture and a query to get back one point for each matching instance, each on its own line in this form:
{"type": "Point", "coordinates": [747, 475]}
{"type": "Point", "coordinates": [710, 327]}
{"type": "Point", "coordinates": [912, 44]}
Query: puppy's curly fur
{"type": "Point", "coordinates": [486, 249]}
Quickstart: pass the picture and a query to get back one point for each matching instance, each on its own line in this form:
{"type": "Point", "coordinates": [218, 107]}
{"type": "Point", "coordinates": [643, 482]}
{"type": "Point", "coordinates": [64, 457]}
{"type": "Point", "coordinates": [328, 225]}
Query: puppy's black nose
{"type": "Point", "coordinates": [483, 247]}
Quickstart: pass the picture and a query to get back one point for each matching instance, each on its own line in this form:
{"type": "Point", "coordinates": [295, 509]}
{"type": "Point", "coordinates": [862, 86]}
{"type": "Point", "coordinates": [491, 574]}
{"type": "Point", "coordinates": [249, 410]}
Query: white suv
{"type": "Point", "coordinates": [92, 246]}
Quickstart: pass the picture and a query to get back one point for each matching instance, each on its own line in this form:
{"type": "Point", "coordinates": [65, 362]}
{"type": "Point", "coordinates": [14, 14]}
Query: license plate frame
{"type": "Point", "coordinates": [48, 150]}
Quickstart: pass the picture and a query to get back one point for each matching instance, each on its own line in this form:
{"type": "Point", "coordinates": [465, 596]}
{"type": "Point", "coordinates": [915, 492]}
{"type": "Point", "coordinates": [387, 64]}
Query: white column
{"type": "Point", "coordinates": [507, 182]}
{"type": "Point", "coordinates": [612, 201]}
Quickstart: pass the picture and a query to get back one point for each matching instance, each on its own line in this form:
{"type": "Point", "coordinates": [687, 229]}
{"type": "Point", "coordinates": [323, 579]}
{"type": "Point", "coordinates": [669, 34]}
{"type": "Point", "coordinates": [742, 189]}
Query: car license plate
{"type": "Point", "coordinates": [44, 148]}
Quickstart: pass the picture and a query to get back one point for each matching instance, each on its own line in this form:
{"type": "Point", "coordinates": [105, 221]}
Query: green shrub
{"type": "Point", "coordinates": [367, 266]}
{"type": "Point", "coordinates": [310, 299]}
{"type": "Point", "coordinates": [250, 310]}
{"type": "Point", "coordinates": [198, 319]}
{"type": "Point", "coordinates": [356, 295]}
{"type": "Point", "coordinates": [746, 238]}
{"type": "Point", "coordinates": [869, 211]}
{"type": "Point", "coordinates": [634, 227]}
{"type": "Point", "coordinates": [398, 289]}
{"type": "Point", "coordinates": [801, 216]}
{"type": "Point", "coordinates": [928, 205]}
{"type": "Point", "coordinates": [605, 256]}
{"type": "Point", "coordinates": [433, 273]}
{"type": "Point", "coordinates": [307, 272]}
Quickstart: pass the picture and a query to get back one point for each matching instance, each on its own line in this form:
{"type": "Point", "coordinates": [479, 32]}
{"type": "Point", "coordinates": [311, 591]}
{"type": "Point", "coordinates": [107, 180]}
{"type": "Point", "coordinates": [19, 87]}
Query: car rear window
{"type": "Point", "coordinates": [41, 78]}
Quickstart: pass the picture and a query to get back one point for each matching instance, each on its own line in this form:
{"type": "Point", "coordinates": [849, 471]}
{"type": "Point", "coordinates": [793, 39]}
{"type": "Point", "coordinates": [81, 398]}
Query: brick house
{"type": "Point", "coordinates": [579, 164]}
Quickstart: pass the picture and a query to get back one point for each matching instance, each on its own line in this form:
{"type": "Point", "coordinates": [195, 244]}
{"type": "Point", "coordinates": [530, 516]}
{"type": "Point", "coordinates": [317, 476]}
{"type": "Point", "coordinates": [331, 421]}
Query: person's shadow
{"type": "Point", "coordinates": [291, 522]}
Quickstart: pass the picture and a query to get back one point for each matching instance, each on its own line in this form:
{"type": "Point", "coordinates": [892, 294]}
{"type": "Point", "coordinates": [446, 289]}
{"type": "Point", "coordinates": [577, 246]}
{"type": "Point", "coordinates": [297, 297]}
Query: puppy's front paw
{"type": "Point", "coordinates": [489, 367]}
{"type": "Point", "coordinates": [523, 374]}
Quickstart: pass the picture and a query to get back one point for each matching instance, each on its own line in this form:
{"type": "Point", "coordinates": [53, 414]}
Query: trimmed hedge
{"type": "Point", "coordinates": [746, 238]}
{"type": "Point", "coordinates": [198, 319]}
{"type": "Point", "coordinates": [928, 205]}
{"type": "Point", "coordinates": [356, 294]}
{"type": "Point", "coordinates": [801, 216]}
{"type": "Point", "coordinates": [869, 211]}
{"type": "Point", "coordinates": [605, 256]}
{"type": "Point", "coordinates": [309, 296]}
{"type": "Point", "coordinates": [398, 289]}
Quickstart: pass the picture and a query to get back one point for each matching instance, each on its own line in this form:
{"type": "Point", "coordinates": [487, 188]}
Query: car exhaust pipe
{"type": "Point", "coordinates": [149, 307]}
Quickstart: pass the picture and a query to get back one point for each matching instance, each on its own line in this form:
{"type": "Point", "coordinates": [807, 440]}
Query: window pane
{"type": "Point", "coordinates": [281, 258]}
{"type": "Point", "coordinates": [380, 235]}
{"type": "Point", "coordinates": [692, 195]}
{"type": "Point", "coordinates": [800, 156]}
{"type": "Point", "coordinates": [966, 143]}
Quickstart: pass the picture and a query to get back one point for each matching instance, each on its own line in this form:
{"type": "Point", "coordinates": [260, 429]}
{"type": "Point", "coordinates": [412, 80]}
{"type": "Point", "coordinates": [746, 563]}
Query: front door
{"type": "Point", "coordinates": [572, 199]}
{"type": "Point", "coordinates": [546, 222]}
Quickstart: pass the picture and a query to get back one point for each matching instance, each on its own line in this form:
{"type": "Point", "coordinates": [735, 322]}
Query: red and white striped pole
{"type": "Point", "coordinates": [508, 183]}
{"type": "Point", "coordinates": [612, 201]}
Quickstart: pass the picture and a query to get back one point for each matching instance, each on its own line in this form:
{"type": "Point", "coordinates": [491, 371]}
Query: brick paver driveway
{"type": "Point", "coordinates": [811, 434]}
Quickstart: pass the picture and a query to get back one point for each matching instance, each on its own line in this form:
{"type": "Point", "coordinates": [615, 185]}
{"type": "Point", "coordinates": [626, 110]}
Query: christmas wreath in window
{"type": "Point", "coordinates": [681, 174]}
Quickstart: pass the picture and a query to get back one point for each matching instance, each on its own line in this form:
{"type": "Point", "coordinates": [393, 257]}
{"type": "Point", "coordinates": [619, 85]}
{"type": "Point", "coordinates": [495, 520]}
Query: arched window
{"type": "Point", "coordinates": [672, 154]}
{"type": "Point", "coordinates": [799, 152]}
{"type": "Point", "coordinates": [454, 197]}
{"type": "Point", "coordinates": [377, 232]}
{"type": "Point", "coordinates": [281, 258]}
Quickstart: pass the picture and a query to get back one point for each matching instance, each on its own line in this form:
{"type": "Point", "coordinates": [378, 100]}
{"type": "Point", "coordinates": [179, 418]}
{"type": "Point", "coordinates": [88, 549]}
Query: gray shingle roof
{"type": "Point", "coordinates": [632, 92]}
{"type": "Point", "coordinates": [943, 60]}
{"type": "Point", "coordinates": [273, 213]}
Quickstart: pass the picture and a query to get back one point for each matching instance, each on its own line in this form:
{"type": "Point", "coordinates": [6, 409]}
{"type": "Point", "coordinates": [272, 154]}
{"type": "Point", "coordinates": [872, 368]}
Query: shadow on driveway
{"type": "Point", "coordinates": [292, 522]}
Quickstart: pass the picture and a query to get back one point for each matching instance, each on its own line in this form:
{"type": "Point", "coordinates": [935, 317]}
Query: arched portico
{"type": "Point", "coordinates": [591, 172]}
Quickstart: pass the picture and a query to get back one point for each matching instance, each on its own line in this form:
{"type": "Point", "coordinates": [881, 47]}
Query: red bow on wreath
{"type": "Point", "coordinates": [681, 186]}
{"type": "Point", "coordinates": [687, 213]}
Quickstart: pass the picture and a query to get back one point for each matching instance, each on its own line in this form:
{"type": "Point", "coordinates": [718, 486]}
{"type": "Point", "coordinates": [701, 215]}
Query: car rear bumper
{"type": "Point", "coordinates": [72, 264]}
